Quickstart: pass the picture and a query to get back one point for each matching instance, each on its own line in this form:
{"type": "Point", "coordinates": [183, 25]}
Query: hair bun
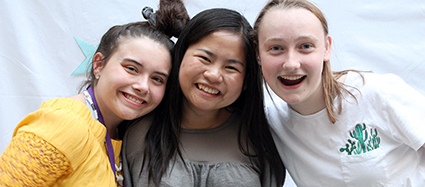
{"type": "Point", "coordinates": [171, 17]}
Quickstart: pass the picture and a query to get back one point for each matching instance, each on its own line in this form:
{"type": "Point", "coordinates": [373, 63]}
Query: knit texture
{"type": "Point", "coordinates": [31, 161]}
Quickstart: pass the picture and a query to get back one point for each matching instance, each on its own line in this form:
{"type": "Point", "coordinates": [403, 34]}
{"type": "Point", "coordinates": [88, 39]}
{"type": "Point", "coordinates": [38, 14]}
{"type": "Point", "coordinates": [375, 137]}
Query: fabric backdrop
{"type": "Point", "coordinates": [38, 50]}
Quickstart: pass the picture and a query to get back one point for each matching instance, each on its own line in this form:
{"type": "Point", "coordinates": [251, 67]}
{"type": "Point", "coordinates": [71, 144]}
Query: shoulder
{"type": "Point", "coordinates": [134, 137]}
{"type": "Point", "coordinates": [377, 84]}
{"type": "Point", "coordinates": [387, 79]}
{"type": "Point", "coordinates": [388, 91]}
{"type": "Point", "coordinates": [372, 79]}
{"type": "Point", "coordinates": [56, 112]}
{"type": "Point", "coordinates": [62, 112]}
{"type": "Point", "coordinates": [140, 125]}
{"type": "Point", "coordinates": [80, 97]}
{"type": "Point", "coordinates": [65, 123]}
{"type": "Point", "coordinates": [276, 110]}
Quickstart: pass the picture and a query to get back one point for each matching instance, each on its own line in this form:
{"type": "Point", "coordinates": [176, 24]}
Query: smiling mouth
{"type": "Point", "coordinates": [291, 80]}
{"type": "Point", "coordinates": [134, 99]}
{"type": "Point", "coordinates": [208, 89]}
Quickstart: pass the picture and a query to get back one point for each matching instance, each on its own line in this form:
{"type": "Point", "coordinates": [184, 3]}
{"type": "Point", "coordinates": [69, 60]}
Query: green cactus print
{"type": "Point", "coordinates": [374, 141]}
{"type": "Point", "coordinates": [361, 136]}
{"type": "Point", "coordinates": [361, 140]}
{"type": "Point", "coordinates": [347, 147]}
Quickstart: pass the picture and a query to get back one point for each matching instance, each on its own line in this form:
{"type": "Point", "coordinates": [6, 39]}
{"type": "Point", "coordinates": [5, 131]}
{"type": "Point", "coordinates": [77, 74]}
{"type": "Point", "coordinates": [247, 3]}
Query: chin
{"type": "Point", "coordinates": [132, 115]}
{"type": "Point", "coordinates": [291, 101]}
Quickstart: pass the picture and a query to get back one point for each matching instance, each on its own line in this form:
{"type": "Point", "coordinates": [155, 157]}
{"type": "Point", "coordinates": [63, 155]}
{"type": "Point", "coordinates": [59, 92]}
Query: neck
{"type": "Point", "coordinates": [195, 119]}
{"type": "Point", "coordinates": [312, 105]}
{"type": "Point", "coordinates": [111, 122]}
{"type": "Point", "coordinates": [112, 128]}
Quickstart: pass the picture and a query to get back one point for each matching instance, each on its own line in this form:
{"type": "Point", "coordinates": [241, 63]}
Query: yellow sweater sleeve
{"type": "Point", "coordinates": [67, 125]}
{"type": "Point", "coordinates": [31, 161]}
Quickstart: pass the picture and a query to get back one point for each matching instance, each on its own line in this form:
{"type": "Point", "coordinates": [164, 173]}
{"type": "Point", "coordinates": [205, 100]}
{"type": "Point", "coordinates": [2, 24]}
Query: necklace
{"type": "Point", "coordinates": [91, 100]}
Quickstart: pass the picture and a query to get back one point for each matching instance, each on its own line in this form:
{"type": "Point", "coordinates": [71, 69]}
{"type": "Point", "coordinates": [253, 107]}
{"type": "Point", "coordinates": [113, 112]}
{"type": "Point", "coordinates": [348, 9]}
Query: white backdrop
{"type": "Point", "coordinates": [38, 52]}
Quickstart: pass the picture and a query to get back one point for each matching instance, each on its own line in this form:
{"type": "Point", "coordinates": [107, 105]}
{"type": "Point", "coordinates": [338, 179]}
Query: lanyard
{"type": "Point", "coordinates": [92, 101]}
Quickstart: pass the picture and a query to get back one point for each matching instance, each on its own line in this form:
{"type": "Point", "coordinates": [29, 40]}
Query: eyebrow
{"type": "Point", "coordinates": [140, 64]}
{"type": "Point", "coordinates": [309, 37]}
{"type": "Point", "coordinates": [215, 56]}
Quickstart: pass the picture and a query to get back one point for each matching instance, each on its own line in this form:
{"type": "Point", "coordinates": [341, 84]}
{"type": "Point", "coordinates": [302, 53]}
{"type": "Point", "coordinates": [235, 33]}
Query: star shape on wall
{"type": "Point", "coordinates": [89, 50]}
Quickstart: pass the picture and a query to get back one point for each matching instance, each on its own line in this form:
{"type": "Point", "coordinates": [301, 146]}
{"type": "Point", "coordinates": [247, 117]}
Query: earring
{"type": "Point", "coordinates": [97, 76]}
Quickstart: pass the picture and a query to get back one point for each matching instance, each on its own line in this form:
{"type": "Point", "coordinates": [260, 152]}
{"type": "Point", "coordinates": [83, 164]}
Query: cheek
{"type": "Point", "coordinates": [185, 67]}
{"type": "Point", "coordinates": [111, 82]}
{"type": "Point", "coordinates": [189, 69]}
{"type": "Point", "coordinates": [237, 84]}
{"type": "Point", "coordinates": [270, 65]}
{"type": "Point", "coordinates": [313, 62]}
{"type": "Point", "coordinates": [158, 93]}
{"type": "Point", "coordinates": [315, 71]}
{"type": "Point", "coordinates": [182, 76]}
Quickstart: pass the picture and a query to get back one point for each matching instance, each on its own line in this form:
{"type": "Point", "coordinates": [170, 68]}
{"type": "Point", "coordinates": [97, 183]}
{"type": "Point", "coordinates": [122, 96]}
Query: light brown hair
{"type": "Point", "coordinates": [331, 86]}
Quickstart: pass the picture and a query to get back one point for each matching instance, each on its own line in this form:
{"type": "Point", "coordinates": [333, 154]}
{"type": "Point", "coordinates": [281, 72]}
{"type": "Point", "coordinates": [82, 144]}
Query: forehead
{"type": "Point", "coordinates": [132, 40]}
{"type": "Point", "coordinates": [299, 20]}
{"type": "Point", "coordinates": [222, 36]}
{"type": "Point", "coordinates": [219, 40]}
{"type": "Point", "coordinates": [145, 51]}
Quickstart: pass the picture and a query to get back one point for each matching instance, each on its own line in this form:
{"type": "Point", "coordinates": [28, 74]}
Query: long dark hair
{"type": "Point", "coordinates": [162, 139]}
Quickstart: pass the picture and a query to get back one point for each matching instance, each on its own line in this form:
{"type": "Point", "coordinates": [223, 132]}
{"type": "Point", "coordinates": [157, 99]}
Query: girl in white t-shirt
{"type": "Point", "coordinates": [345, 128]}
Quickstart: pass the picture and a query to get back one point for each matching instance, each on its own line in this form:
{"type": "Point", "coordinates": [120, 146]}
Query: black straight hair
{"type": "Point", "coordinates": [162, 139]}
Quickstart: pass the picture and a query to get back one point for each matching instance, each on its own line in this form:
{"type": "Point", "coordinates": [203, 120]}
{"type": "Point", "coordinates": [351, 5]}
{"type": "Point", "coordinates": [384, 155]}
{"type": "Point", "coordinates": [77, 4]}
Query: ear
{"type": "Point", "coordinates": [257, 52]}
{"type": "Point", "coordinates": [98, 62]}
{"type": "Point", "coordinates": [328, 43]}
{"type": "Point", "coordinates": [258, 59]}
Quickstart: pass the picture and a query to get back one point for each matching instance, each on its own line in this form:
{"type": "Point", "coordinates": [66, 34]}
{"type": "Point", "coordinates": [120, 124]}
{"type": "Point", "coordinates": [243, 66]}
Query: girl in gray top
{"type": "Point", "coordinates": [210, 130]}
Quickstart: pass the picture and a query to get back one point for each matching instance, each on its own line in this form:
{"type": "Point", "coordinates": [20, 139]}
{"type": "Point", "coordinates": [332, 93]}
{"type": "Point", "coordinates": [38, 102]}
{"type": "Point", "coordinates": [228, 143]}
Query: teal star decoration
{"type": "Point", "coordinates": [89, 50]}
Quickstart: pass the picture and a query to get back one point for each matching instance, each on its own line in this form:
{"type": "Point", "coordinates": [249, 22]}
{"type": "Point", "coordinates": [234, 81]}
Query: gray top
{"type": "Point", "coordinates": [212, 158]}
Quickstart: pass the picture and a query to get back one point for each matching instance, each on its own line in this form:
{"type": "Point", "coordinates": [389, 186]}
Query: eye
{"type": "Point", "coordinates": [232, 68]}
{"type": "Point", "coordinates": [306, 46]}
{"type": "Point", "coordinates": [275, 48]}
{"type": "Point", "coordinates": [158, 80]}
{"type": "Point", "coordinates": [131, 68]}
{"type": "Point", "coordinates": [205, 58]}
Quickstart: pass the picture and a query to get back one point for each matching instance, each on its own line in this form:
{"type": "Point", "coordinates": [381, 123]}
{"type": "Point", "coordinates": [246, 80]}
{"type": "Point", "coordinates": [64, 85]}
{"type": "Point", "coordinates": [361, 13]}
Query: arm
{"type": "Point", "coordinates": [31, 161]}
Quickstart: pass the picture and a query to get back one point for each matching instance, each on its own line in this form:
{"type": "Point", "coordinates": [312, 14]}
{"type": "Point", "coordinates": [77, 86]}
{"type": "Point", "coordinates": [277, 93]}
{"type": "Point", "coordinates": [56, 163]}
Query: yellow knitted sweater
{"type": "Point", "coordinates": [58, 145]}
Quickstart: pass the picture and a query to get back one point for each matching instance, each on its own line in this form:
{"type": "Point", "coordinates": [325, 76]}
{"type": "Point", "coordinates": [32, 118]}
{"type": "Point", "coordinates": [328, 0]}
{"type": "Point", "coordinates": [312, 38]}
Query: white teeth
{"type": "Point", "coordinates": [292, 77]}
{"type": "Point", "coordinates": [133, 99]}
{"type": "Point", "coordinates": [207, 89]}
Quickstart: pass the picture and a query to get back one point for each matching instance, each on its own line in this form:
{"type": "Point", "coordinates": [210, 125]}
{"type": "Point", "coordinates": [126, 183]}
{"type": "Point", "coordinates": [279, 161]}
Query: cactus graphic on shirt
{"type": "Point", "coordinates": [374, 140]}
{"type": "Point", "coordinates": [348, 148]}
{"type": "Point", "coordinates": [361, 141]}
{"type": "Point", "coordinates": [360, 134]}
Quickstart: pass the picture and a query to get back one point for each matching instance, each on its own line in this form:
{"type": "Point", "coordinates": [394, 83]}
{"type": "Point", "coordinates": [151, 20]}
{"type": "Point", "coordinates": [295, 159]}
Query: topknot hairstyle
{"type": "Point", "coordinates": [167, 22]}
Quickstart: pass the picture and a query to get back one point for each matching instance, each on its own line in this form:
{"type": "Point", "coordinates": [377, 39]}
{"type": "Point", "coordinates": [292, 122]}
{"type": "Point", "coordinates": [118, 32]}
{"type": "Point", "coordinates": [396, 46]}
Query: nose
{"type": "Point", "coordinates": [291, 61]}
{"type": "Point", "coordinates": [213, 74]}
{"type": "Point", "coordinates": [142, 85]}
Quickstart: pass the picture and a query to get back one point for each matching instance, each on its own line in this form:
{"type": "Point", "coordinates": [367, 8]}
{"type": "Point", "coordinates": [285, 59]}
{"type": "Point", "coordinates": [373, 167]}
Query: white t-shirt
{"type": "Point", "coordinates": [377, 142]}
